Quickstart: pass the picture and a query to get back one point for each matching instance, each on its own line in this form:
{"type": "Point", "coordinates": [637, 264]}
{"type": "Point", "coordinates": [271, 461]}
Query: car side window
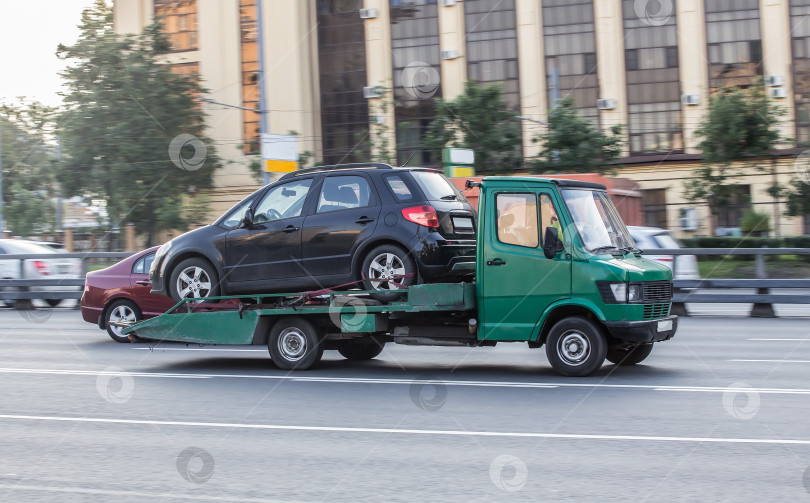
{"type": "Point", "coordinates": [399, 188]}
{"type": "Point", "coordinates": [143, 264]}
{"type": "Point", "coordinates": [549, 216]}
{"type": "Point", "coordinates": [284, 201]}
{"type": "Point", "coordinates": [343, 192]}
{"type": "Point", "coordinates": [517, 219]}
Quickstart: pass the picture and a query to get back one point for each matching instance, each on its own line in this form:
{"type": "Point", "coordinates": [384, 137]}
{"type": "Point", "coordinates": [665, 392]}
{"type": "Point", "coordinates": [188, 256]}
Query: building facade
{"type": "Point", "coordinates": [336, 69]}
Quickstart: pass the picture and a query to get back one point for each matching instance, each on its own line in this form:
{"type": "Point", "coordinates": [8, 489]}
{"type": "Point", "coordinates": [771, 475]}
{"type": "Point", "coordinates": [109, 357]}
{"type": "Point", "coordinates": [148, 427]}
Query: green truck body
{"type": "Point", "coordinates": [554, 266]}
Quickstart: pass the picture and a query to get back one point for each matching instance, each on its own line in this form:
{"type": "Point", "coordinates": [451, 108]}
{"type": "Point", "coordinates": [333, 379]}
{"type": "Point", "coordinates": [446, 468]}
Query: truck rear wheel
{"type": "Point", "coordinates": [621, 356]}
{"type": "Point", "coordinates": [295, 344]}
{"type": "Point", "coordinates": [362, 349]}
{"type": "Point", "coordinates": [576, 347]}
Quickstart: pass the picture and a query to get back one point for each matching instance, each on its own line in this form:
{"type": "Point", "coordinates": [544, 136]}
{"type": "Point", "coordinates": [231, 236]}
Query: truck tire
{"type": "Point", "coordinates": [576, 347]}
{"type": "Point", "coordinates": [193, 277]}
{"type": "Point", "coordinates": [295, 343]}
{"type": "Point", "coordinates": [361, 349]}
{"type": "Point", "coordinates": [386, 261]}
{"type": "Point", "coordinates": [621, 356]}
{"type": "Point", "coordinates": [121, 310]}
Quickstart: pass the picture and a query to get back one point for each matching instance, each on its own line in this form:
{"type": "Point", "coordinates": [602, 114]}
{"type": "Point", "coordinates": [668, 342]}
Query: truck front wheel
{"type": "Point", "coordinates": [295, 344]}
{"type": "Point", "coordinates": [576, 347]}
{"type": "Point", "coordinates": [621, 356]}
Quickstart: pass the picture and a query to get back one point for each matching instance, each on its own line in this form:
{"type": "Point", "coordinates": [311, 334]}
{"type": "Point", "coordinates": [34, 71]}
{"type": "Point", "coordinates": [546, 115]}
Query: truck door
{"type": "Point", "coordinates": [518, 281]}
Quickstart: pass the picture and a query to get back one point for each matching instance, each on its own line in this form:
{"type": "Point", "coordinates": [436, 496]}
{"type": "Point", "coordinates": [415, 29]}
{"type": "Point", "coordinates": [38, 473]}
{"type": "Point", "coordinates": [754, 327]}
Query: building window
{"type": "Point", "coordinates": [492, 46]}
{"type": "Point", "coordinates": [179, 18]}
{"type": "Point", "coordinates": [653, 84]}
{"type": "Point", "coordinates": [416, 69]}
{"type": "Point", "coordinates": [739, 201]}
{"type": "Point", "coordinates": [654, 207]}
{"type": "Point", "coordinates": [569, 40]}
{"type": "Point", "coordinates": [342, 67]}
{"type": "Point", "coordinates": [734, 43]}
{"type": "Point", "coordinates": [800, 33]}
{"type": "Point", "coordinates": [248, 39]}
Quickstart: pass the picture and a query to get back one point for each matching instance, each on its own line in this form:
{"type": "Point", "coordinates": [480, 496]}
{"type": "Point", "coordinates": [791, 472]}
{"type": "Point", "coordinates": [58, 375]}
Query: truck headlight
{"type": "Point", "coordinates": [620, 292]}
{"type": "Point", "coordinates": [634, 293]}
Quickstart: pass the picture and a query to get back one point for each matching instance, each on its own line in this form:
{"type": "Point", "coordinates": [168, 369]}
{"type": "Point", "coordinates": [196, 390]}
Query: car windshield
{"type": "Point", "coordinates": [597, 221]}
{"type": "Point", "coordinates": [437, 187]}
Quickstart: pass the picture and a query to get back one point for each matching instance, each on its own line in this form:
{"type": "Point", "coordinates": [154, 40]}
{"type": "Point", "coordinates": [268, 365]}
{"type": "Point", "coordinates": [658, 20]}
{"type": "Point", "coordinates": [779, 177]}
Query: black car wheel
{"type": "Point", "coordinates": [124, 311]}
{"type": "Point", "coordinates": [387, 269]}
{"type": "Point", "coordinates": [53, 302]}
{"type": "Point", "coordinates": [193, 278]}
{"type": "Point", "coordinates": [630, 356]}
{"type": "Point", "coordinates": [363, 349]}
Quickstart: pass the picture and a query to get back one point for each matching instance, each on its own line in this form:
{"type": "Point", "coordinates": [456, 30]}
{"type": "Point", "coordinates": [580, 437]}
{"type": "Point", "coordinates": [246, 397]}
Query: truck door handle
{"type": "Point", "coordinates": [364, 220]}
{"type": "Point", "coordinates": [496, 261]}
{"type": "Point", "coordinates": [291, 228]}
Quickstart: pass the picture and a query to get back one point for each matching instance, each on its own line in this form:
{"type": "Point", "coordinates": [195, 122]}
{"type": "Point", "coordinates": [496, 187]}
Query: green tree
{"type": "Point", "coordinates": [132, 131]}
{"type": "Point", "coordinates": [28, 167]}
{"type": "Point", "coordinates": [740, 125]}
{"type": "Point", "coordinates": [573, 145]}
{"type": "Point", "coordinates": [478, 119]}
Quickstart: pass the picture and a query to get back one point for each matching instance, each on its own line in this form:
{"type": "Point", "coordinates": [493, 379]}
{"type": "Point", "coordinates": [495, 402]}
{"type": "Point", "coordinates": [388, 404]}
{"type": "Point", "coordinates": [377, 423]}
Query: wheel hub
{"type": "Point", "coordinates": [573, 348]}
{"type": "Point", "coordinates": [292, 344]}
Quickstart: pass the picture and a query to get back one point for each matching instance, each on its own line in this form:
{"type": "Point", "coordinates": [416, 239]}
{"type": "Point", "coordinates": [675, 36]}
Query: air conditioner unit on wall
{"type": "Point", "coordinates": [779, 92]}
{"type": "Point", "coordinates": [690, 99]}
{"type": "Point", "coordinates": [368, 13]}
{"type": "Point", "coordinates": [689, 219]}
{"type": "Point", "coordinates": [606, 104]}
{"type": "Point", "coordinates": [449, 54]}
{"type": "Point", "coordinates": [774, 80]}
{"type": "Point", "coordinates": [448, 3]}
{"type": "Point", "coordinates": [372, 92]}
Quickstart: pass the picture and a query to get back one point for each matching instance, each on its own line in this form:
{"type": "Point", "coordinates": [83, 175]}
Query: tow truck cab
{"type": "Point", "coordinates": [550, 250]}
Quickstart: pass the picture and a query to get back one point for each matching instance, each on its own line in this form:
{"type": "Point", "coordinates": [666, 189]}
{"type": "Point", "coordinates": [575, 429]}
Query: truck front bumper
{"type": "Point", "coordinates": [643, 331]}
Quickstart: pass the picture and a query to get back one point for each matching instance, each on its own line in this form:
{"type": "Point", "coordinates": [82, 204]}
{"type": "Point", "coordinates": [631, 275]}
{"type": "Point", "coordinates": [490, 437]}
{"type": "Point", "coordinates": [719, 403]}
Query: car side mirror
{"type": "Point", "coordinates": [247, 219]}
{"type": "Point", "coordinates": [552, 243]}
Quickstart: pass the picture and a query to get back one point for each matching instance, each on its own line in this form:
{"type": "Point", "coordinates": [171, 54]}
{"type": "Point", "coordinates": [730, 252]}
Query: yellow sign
{"type": "Point", "coordinates": [280, 166]}
{"type": "Point", "coordinates": [461, 171]}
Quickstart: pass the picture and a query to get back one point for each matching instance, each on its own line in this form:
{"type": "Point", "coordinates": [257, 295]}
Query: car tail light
{"type": "Point", "coordinates": [42, 267]}
{"type": "Point", "coordinates": [422, 215]}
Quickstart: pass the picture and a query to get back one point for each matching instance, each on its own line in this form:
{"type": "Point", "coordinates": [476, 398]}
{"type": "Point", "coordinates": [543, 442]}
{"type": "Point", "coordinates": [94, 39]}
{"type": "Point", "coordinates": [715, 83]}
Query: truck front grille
{"type": "Point", "coordinates": [656, 311]}
{"type": "Point", "coordinates": [656, 291]}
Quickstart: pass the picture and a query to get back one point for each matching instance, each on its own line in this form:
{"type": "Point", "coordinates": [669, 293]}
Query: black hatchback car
{"type": "Point", "coordinates": [382, 226]}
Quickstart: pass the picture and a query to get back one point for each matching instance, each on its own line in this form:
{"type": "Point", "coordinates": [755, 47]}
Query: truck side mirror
{"type": "Point", "coordinates": [552, 243]}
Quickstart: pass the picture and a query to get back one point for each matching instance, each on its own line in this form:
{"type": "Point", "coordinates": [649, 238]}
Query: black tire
{"type": "Point", "coordinates": [361, 349]}
{"type": "Point", "coordinates": [121, 309]}
{"type": "Point", "coordinates": [192, 274]}
{"type": "Point", "coordinates": [53, 302]}
{"type": "Point", "coordinates": [576, 347]}
{"type": "Point", "coordinates": [383, 262]}
{"type": "Point", "coordinates": [295, 344]}
{"type": "Point", "coordinates": [631, 356]}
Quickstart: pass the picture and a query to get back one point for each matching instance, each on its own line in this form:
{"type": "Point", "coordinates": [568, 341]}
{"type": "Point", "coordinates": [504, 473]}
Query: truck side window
{"type": "Point", "coordinates": [548, 216]}
{"type": "Point", "coordinates": [517, 219]}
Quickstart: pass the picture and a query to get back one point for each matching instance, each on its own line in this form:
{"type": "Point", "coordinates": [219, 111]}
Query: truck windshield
{"type": "Point", "coordinates": [597, 221]}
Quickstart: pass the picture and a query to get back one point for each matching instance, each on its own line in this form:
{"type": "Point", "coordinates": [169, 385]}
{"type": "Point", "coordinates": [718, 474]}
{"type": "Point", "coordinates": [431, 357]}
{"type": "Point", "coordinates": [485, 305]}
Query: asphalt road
{"type": "Point", "coordinates": [720, 413]}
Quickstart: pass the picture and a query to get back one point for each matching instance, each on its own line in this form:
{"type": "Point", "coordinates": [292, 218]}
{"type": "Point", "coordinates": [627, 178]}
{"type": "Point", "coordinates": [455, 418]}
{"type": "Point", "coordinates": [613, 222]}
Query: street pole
{"type": "Point", "coordinates": [262, 98]}
{"type": "Point", "coordinates": [2, 219]}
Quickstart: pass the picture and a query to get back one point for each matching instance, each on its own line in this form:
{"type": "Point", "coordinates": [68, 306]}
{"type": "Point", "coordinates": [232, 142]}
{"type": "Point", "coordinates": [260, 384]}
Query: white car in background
{"type": "Point", "coordinates": [651, 238]}
{"type": "Point", "coordinates": [38, 268]}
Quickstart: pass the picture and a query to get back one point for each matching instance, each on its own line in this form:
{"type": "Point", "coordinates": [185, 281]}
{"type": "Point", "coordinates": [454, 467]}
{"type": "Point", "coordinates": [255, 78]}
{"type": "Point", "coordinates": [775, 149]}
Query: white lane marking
{"type": "Point", "coordinates": [778, 339]}
{"type": "Point", "coordinates": [150, 495]}
{"type": "Point", "coordinates": [771, 361]}
{"type": "Point", "coordinates": [360, 380]}
{"type": "Point", "coordinates": [403, 431]}
{"type": "Point", "coordinates": [158, 349]}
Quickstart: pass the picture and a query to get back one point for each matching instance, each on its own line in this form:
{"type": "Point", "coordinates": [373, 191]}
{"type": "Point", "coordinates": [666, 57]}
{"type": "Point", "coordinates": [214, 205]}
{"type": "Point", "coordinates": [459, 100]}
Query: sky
{"type": "Point", "coordinates": [30, 30]}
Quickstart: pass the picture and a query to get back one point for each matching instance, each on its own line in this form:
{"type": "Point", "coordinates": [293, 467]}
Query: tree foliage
{"type": "Point", "coordinates": [28, 161]}
{"type": "Point", "coordinates": [123, 110]}
{"type": "Point", "coordinates": [573, 144]}
{"type": "Point", "coordinates": [478, 119]}
{"type": "Point", "coordinates": [740, 125]}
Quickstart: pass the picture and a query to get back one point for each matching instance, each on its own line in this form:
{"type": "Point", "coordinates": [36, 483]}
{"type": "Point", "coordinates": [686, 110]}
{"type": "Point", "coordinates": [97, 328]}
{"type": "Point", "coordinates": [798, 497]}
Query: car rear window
{"type": "Point", "coordinates": [399, 188]}
{"type": "Point", "coordinates": [435, 186]}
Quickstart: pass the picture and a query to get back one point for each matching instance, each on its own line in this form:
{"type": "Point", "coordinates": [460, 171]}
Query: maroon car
{"type": "Point", "coordinates": [121, 292]}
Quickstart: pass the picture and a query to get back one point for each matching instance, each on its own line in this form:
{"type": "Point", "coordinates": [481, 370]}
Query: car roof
{"type": "Point", "coordinates": [25, 246]}
{"type": "Point", "coordinates": [358, 166]}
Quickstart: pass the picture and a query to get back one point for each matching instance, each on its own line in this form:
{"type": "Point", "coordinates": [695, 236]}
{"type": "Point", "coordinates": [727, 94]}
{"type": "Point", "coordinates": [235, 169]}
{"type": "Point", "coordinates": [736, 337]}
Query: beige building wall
{"type": "Point", "coordinates": [379, 72]}
{"type": "Point", "coordinates": [452, 37]}
{"type": "Point", "coordinates": [694, 67]}
{"type": "Point", "coordinates": [532, 68]}
{"type": "Point", "coordinates": [777, 55]}
{"type": "Point", "coordinates": [610, 60]}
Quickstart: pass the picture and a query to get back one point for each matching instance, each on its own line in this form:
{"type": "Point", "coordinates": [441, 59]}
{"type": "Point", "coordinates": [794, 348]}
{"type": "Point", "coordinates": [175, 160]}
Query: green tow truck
{"type": "Point", "coordinates": [555, 266]}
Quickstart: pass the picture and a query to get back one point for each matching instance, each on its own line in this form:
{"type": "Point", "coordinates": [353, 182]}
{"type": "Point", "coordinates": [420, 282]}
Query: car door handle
{"type": "Point", "coordinates": [496, 261]}
{"type": "Point", "coordinates": [291, 228]}
{"type": "Point", "coordinates": [364, 220]}
{"type": "Point", "coordinates": [144, 282]}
